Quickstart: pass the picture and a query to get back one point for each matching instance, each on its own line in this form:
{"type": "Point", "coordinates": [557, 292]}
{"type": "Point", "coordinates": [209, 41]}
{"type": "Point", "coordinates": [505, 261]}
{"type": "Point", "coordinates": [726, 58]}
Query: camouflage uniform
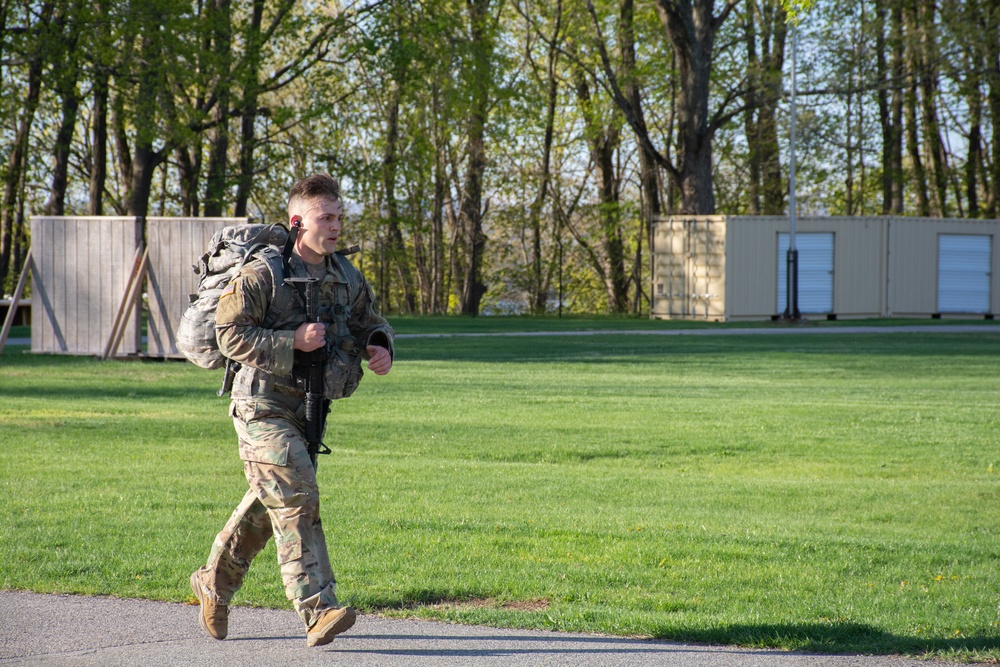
{"type": "Point", "coordinates": [255, 322]}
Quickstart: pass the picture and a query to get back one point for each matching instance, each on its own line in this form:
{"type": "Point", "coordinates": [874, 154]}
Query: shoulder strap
{"type": "Point", "coordinates": [286, 251]}
{"type": "Point", "coordinates": [277, 264]}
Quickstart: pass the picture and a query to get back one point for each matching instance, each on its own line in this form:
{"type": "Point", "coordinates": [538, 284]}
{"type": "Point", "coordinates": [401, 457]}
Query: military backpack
{"type": "Point", "coordinates": [229, 250]}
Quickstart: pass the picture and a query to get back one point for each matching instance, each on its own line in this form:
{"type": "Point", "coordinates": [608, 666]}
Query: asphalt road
{"type": "Point", "coordinates": [80, 631]}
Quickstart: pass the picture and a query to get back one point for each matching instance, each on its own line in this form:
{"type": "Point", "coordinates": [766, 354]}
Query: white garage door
{"type": "Point", "coordinates": [964, 273]}
{"type": "Point", "coordinates": [815, 272]}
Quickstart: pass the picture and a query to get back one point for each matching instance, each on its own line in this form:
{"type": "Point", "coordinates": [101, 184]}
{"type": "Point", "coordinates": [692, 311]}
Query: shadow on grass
{"type": "Point", "coordinates": [143, 390]}
{"type": "Point", "coordinates": [616, 348]}
{"type": "Point", "coordinates": [842, 637]}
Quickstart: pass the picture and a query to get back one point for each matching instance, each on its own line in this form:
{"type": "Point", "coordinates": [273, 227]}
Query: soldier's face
{"type": "Point", "coordinates": [320, 230]}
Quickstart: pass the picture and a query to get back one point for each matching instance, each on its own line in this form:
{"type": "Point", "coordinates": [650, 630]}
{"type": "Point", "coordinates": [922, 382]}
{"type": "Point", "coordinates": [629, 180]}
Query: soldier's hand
{"type": "Point", "coordinates": [310, 336]}
{"type": "Point", "coordinates": [379, 359]}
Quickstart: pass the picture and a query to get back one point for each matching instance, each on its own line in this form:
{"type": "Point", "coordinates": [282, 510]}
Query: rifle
{"type": "Point", "coordinates": [310, 373]}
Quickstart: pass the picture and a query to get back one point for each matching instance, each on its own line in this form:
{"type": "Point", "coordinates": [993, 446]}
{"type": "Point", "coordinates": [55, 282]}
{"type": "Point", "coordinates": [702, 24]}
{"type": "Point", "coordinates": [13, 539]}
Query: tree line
{"type": "Point", "coordinates": [497, 155]}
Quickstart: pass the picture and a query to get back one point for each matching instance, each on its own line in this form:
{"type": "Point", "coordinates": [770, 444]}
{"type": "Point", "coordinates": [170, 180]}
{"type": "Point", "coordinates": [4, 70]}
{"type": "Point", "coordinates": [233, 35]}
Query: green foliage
{"type": "Point", "coordinates": [796, 9]}
{"type": "Point", "coordinates": [319, 93]}
{"type": "Point", "coordinates": [830, 493]}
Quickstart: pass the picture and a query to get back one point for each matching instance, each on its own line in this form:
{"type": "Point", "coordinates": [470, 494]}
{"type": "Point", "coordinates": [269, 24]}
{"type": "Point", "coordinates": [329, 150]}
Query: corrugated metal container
{"type": "Point", "coordinates": [690, 267]}
{"type": "Point", "coordinates": [732, 268]}
{"type": "Point", "coordinates": [914, 269]}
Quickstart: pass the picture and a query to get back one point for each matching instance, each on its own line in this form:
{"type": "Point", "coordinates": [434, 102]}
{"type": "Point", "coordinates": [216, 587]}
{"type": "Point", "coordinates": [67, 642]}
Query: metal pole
{"type": "Point", "coordinates": [792, 258]}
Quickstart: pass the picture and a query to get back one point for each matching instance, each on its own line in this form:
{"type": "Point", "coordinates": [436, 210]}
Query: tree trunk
{"type": "Point", "coordinates": [396, 247]}
{"type": "Point", "coordinates": [15, 161]}
{"type": "Point", "coordinates": [66, 73]}
{"type": "Point", "coordinates": [649, 175]}
{"type": "Point", "coordinates": [188, 174]}
{"type": "Point", "coordinates": [691, 28]}
{"type": "Point", "coordinates": [929, 119]}
{"type": "Point", "coordinates": [99, 142]}
{"type": "Point", "coordinates": [751, 124]}
{"type": "Point", "coordinates": [145, 159]}
{"type": "Point", "coordinates": [123, 151]}
{"type": "Point", "coordinates": [538, 296]}
{"type": "Point", "coordinates": [993, 101]}
{"type": "Point", "coordinates": [603, 142]}
{"type": "Point", "coordinates": [471, 210]}
{"type": "Point", "coordinates": [3, 31]}
{"type": "Point", "coordinates": [882, 97]}
{"type": "Point", "coordinates": [766, 23]}
{"type": "Point", "coordinates": [438, 300]}
{"type": "Point", "coordinates": [248, 117]}
{"type": "Point", "coordinates": [898, 73]}
{"type": "Point", "coordinates": [914, 67]}
{"type": "Point", "coordinates": [972, 90]}
{"type": "Point", "coordinates": [975, 156]}
{"type": "Point", "coordinates": [220, 16]}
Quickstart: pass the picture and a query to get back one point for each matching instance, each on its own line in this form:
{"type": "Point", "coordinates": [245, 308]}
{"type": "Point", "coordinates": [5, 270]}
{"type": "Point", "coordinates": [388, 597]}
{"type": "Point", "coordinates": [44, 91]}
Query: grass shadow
{"type": "Point", "coordinates": [612, 349]}
{"type": "Point", "coordinates": [838, 637]}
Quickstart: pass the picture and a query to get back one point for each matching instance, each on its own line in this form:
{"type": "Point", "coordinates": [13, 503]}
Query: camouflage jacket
{"type": "Point", "coordinates": [257, 316]}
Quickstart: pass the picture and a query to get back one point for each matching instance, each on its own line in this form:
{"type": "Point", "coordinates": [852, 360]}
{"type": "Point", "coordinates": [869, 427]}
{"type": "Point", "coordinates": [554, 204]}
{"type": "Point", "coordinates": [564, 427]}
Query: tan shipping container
{"type": "Point", "coordinates": [730, 268]}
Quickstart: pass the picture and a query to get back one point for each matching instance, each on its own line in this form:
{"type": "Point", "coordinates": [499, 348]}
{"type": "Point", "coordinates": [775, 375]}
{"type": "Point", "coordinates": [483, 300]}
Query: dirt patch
{"type": "Point", "coordinates": [526, 605]}
{"type": "Point", "coordinates": [538, 604]}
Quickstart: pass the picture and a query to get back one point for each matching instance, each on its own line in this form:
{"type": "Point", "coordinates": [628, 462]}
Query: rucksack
{"type": "Point", "coordinates": [229, 250]}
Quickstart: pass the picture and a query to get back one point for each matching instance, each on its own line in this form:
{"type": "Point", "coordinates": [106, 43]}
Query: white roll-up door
{"type": "Point", "coordinates": [964, 273]}
{"type": "Point", "coordinates": [815, 272]}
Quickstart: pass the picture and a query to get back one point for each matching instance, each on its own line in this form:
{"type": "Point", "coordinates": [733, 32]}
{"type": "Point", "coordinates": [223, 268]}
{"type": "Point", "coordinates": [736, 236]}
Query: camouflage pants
{"type": "Point", "coordinates": [283, 500]}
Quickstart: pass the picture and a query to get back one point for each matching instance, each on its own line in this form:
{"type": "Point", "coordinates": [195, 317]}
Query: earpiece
{"type": "Point", "coordinates": [297, 221]}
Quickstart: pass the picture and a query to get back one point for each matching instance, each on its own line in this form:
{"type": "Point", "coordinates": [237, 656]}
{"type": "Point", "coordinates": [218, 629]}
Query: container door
{"type": "Point", "coordinates": [964, 273]}
{"type": "Point", "coordinates": [815, 272]}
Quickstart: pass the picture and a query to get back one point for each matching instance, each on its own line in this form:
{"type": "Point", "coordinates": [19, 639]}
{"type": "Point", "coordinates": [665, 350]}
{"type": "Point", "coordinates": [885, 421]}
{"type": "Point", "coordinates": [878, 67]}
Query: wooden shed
{"type": "Point", "coordinates": [90, 274]}
{"type": "Point", "coordinates": [175, 244]}
{"type": "Point", "coordinates": [80, 276]}
{"type": "Point", "coordinates": [732, 268]}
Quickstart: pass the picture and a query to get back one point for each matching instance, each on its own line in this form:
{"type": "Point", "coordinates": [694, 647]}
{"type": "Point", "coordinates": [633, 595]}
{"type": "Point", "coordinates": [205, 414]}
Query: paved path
{"type": "Point", "coordinates": [78, 631]}
{"type": "Point", "coordinates": [726, 331]}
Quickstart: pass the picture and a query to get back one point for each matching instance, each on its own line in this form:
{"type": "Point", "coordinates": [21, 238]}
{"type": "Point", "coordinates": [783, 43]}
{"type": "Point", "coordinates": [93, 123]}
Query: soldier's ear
{"type": "Point", "coordinates": [296, 221]}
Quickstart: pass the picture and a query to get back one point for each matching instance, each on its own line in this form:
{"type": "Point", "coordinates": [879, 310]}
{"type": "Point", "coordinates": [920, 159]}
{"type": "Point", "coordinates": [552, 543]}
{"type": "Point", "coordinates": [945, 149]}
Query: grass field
{"type": "Point", "coordinates": [828, 493]}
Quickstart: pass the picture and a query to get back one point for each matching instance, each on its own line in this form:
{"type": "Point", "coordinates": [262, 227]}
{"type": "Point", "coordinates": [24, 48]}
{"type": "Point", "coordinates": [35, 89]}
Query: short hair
{"type": "Point", "coordinates": [314, 187]}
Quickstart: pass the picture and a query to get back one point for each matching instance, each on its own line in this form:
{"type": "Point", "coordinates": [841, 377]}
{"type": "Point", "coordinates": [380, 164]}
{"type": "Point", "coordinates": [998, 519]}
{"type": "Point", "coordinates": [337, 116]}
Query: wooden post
{"type": "Point", "coordinates": [8, 321]}
{"type": "Point", "coordinates": [138, 274]}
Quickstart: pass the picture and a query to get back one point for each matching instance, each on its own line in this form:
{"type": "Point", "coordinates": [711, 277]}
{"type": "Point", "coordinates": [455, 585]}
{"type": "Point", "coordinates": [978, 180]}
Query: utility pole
{"type": "Point", "coordinates": [792, 257]}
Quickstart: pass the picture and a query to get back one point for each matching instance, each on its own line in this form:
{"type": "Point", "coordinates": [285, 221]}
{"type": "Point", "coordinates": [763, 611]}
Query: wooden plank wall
{"type": "Point", "coordinates": [175, 244]}
{"type": "Point", "coordinates": [81, 271]}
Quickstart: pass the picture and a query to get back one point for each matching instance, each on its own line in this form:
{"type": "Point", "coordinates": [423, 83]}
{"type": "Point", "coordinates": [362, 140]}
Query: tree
{"type": "Point", "coordinates": [477, 76]}
{"type": "Point", "coordinates": [218, 16]}
{"type": "Point", "coordinates": [69, 24]}
{"type": "Point", "coordinates": [691, 28]}
{"type": "Point", "coordinates": [764, 30]}
{"type": "Point", "coordinates": [546, 75]}
{"type": "Point", "coordinates": [34, 50]}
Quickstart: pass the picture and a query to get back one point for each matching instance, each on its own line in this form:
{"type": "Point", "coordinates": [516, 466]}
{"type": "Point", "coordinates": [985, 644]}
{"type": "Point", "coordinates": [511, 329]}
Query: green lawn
{"type": "Point", "coordinates": [827, 493]}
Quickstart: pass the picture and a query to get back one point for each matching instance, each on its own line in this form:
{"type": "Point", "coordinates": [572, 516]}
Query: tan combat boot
{"type": "Point", "coordinates": [329, 624]}
{"type": "Point", "coordinates": [213, 616]}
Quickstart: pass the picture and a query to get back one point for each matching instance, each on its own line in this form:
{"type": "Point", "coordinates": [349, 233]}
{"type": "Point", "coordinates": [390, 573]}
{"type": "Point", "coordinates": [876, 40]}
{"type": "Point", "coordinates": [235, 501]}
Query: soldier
{"type": "Point", "coordinates": [261, 323]}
